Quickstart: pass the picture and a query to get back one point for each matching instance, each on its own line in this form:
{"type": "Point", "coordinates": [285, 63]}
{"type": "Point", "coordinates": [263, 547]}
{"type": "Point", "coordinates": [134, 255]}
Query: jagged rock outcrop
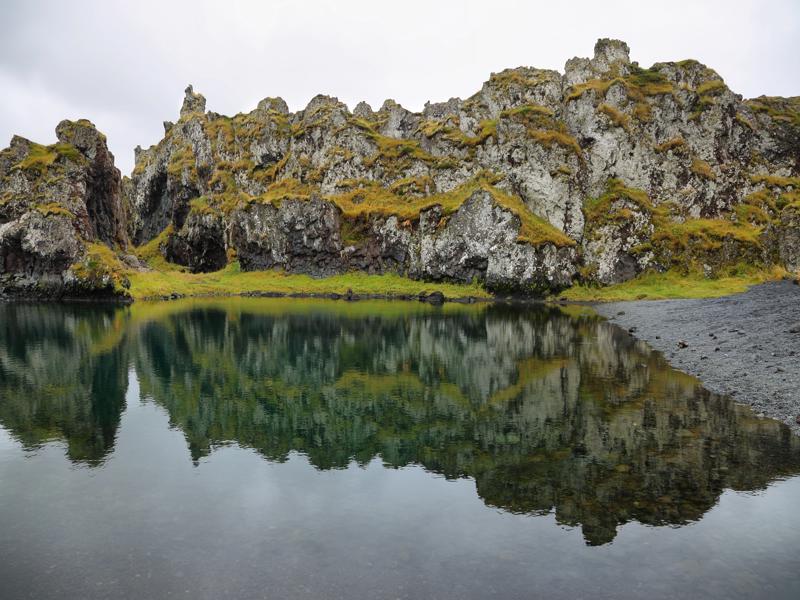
{"type": "Point", "coordinates": [536, 181]}
{"type": "Point", "coordinates": [619, 169]}
{"type": "Point", "coordinates": [60, 214]}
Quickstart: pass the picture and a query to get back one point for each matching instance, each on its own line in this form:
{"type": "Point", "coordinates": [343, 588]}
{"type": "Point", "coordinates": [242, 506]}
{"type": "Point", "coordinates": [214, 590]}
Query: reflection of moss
{"type": "Point", "coordinates": [78, 393]}
{"type": "Point", "coordinates": [571, 417]}
{"type": "Point", "coordinates": [528, 370]}
{"type": "Point", "coordinates": [591, 435]}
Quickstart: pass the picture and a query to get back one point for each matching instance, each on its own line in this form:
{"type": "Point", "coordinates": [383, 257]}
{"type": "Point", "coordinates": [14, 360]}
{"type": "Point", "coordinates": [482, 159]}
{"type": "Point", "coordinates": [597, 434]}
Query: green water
{"type": "Point", "coordinates": [258, 448]}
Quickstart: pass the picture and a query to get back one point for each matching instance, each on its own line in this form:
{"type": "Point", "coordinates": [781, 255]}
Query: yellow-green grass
{"type": "Point", "coordinates": [232, 280]}
{"type": "Point", "coordinates": [151, 251]}
{"type": "Point", "coordinates": [101, 262]}
{"type": "Point", "coordinates": [40, 158]}
{"type": "Point", "coordinates": [673, 285]}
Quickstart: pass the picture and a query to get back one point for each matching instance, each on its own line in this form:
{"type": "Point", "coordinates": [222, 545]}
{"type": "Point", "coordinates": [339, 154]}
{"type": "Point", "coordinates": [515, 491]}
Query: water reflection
{"type": "Point", "coordinates": [547, 411]}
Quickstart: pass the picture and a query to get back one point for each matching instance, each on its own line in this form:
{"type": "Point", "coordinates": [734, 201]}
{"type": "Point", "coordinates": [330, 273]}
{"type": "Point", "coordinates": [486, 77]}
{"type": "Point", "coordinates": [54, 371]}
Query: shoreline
{"type": "Point", "coordinates": [746, 346]}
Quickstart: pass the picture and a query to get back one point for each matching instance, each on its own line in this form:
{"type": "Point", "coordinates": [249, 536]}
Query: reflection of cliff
{"type": "Point", "coordinates": [63, 375]}
{"type": "Point", "coordinates": [546, 412]}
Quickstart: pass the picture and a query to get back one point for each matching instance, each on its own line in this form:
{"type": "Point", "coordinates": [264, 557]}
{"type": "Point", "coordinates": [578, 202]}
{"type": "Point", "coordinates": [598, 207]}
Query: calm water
{"type": "Point", "coordinates": [294, 449]}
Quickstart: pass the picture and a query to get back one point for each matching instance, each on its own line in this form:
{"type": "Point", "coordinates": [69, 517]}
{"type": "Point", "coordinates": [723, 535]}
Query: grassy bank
{"type": "Point", "coordinates": [673, 285]}
{"type": "Point", "coordinates": [232, 280]}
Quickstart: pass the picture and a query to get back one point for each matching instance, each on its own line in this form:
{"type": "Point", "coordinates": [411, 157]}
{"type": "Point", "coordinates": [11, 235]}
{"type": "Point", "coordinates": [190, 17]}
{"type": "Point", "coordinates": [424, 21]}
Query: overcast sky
{"type": "Point", "coordinates": [124, 65]}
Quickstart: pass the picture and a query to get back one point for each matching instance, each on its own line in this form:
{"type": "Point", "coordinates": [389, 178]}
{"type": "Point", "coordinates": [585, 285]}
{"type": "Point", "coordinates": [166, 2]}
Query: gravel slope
{"type": "Point", "coordinates": [746, 345]}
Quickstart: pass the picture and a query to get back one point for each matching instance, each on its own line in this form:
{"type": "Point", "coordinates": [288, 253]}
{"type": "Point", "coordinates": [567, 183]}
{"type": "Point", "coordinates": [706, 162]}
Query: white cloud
{"type": "Point", "coordinates": [124, 65]}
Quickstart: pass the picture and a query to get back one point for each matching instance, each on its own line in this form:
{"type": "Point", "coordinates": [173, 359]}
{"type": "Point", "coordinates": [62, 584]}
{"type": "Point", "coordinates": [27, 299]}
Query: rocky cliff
{"type": "Point", "coordinates": [536, 181]}
{"type": "Point", "coordinates": [62, 223]}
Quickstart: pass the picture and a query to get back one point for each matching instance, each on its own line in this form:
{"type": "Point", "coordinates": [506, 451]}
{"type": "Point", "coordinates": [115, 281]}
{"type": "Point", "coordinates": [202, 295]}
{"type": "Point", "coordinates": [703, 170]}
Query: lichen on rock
{"type": "Point", "coordinates": [538, 180]}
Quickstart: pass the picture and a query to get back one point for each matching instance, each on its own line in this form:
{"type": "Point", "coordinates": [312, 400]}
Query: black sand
{"type": "Point", "coordinates": [747, 346]}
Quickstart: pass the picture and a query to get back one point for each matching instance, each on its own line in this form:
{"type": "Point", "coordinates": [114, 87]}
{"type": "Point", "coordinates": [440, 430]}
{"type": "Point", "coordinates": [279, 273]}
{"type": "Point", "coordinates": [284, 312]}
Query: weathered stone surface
{"type": "Point", "coordinates": [789, 238]}
{"type": "Point", "coordinates": [55, 202]}
{"type": "Point", "coordinates": [675, 133]}
{"type": "Point", "coordinates": [539, 179]}
{"type": "Point", "coordinates": [298, 236]}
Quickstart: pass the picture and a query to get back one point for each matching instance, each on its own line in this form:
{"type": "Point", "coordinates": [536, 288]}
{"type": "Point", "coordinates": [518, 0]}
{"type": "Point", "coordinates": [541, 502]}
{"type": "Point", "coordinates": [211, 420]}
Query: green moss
{"type": "Point", "coordinates": [413, 186]}
{"type": "Point", "coordinates": [618, 118]}
{"type": "Point", "coordinates": [675, 284]}
{"type": "Point", "coordinates": [639, 85]}
{"type": "Point", "coordinates": [776, 181]}
{"type": "Point", "coordinates": [515, 78]}
{"type": "Point", "coordinates": [394, 154]}
{"type": "Point", "coordinates": [270, 174]}
{"type": "Point", "coordinates": [706, 235]}
{"type": "Point", "coordinates": [372, 198]}
{"type": "Point", "coordinates": [789, 200]}
{"type": "Point", "coordinates": [744, 122]}
{"type": "Point", "coordinates": [759, 208]}
{"type": "Point", "coordinates": [647, 77]}
{"type": "Point", "coordinates": [549, 137]}
{"type": "Point", "coordinates": [180, 161]}
{"type": "Point", "coordinates": [526, 112]}
{"type": "Point", "coordinates": [288, 188]}
{"type": "Point", "coordinates": [542, 127]}
{"type": "Point", "coordinates": [68, 152]}
{"type": "Point", "coordinates": [598, 86]}
{"type": "Point", "coordinates": [488, 128]}
{"type": "Point", "coordinates": [232, 280]}
{"type": "Point", "coordinates": [100, 268]}
{"type": "Point", "coordinates": [711, 88]}
{"type": "Point", "coordinates": [201, 206]}
{"type": "Point", "coordinates": [707, 93]}
{"type": "Point", "coordinates": [38, 160]}
{"type": "Point", "coordinates": [55, 209]}
{"type": "Point", "coordinates": [152, 252]}
{"type": "Point", "coordinates": [605, 208]}
{"type": "Point", "coordinates": [676, 145]}
{"type": "Point", "coordinates": [782, 110]}
{"type": "Point", "coordinates": [750, 213]}
{"type": "Point", "coordinates": [703, 169]}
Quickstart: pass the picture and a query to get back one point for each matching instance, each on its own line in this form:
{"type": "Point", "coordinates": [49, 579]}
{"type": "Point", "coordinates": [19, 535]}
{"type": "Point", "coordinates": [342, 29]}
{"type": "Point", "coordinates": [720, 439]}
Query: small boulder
{"type": "Point", "coordinates": [435, 298]}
